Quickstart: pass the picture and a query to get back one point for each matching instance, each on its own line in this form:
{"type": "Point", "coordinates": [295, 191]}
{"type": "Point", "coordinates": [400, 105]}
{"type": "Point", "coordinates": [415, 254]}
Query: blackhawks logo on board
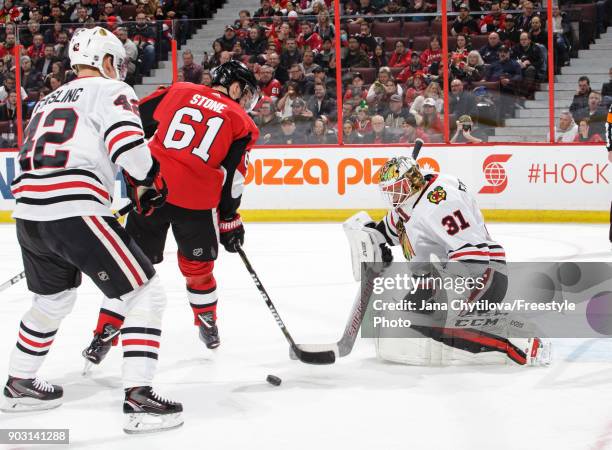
{"type": "Point", "coordinates": [437, 195]}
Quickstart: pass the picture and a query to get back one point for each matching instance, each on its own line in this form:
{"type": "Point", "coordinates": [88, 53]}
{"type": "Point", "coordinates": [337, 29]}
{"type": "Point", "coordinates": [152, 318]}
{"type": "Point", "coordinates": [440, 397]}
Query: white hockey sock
{"type": "Point", "coordinates": [141, 333]}
{"type": "Point", "coordinates": [37, 331]}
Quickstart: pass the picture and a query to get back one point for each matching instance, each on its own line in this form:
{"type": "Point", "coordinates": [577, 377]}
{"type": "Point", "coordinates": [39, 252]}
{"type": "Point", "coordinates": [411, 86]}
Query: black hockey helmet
{"type": "Point", "coordinates": [232, 71]}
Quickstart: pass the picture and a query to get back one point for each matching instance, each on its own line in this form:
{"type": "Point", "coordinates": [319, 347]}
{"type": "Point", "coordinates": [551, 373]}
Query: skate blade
{"type": "Point", "coordinates": [142, 423]}
{"type": "Point", "coordinates": [87, 368]}
{"type": "Point", "coordinates": [24, 405]}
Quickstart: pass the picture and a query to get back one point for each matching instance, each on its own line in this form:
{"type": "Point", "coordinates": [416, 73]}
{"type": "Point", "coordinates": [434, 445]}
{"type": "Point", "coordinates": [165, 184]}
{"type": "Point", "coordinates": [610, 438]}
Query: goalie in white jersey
{"type": "Point", "coordinates": [78, 138]}
{"type": "Point", "coordinates": [434, 215]}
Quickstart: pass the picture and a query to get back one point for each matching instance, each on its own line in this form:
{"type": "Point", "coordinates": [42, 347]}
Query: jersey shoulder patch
{"type": "Point", "coordinates": [436, 195]}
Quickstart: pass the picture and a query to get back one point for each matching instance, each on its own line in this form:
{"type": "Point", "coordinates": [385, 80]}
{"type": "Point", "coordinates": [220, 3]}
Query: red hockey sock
{"type": "Point", "coordinates": [111, 317]}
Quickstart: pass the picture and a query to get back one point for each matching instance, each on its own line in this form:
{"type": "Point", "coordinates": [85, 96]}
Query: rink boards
{"type": "Point", "coordinates": [511, 182]}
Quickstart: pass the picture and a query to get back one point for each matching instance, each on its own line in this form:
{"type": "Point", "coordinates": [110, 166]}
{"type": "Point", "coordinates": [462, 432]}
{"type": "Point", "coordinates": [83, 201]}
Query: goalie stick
{"type": "Point", "coordinates": [17, 278]}
{"type": "Point", "coordinates": [306, 356]}
{"type": "Point", "coordinates": [345, 345]}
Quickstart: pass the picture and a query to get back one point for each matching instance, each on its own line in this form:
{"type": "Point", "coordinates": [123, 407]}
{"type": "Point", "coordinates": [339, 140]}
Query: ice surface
{"type": "Point", "coordinates": [358, 403]}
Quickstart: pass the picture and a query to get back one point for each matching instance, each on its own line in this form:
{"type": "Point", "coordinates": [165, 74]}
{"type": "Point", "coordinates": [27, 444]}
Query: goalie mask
{"type": "Point", "coordinates": [400, 179]}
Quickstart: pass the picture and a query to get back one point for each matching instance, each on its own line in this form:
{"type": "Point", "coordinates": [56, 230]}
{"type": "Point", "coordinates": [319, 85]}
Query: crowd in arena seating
{"type": "Point", "coordinates": [44, 27]}
{"type": "Point", "coordinates": [391, 62]}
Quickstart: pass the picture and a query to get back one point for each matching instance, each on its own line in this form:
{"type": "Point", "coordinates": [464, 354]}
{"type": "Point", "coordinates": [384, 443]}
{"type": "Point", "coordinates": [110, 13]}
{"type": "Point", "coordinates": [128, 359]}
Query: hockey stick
{"type": "Point", "coordinates": [309, 357]}
{"type": "Point", "coordinates": [122, 212]}
{"type": "Point", "coordinates": [345, 345]}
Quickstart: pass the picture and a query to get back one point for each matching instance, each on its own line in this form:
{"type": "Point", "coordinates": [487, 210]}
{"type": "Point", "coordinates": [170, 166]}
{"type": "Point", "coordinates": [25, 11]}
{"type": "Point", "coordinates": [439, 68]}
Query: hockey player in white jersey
{"type": "Point", "coordinates": [78, 138]}
{"type": "Point", "coordinates": [434, 217]}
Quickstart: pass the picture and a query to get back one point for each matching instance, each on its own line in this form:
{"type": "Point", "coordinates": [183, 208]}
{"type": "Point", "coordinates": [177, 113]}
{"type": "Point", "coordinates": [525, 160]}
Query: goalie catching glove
{"type": "Point", "coordinates": [147, 194]}
{"type": "Point", "coordinates": [231, 233]}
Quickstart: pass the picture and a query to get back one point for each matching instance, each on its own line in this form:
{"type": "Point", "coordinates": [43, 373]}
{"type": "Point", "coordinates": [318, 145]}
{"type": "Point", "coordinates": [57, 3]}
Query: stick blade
{"type": "Point", "coordinates": [315, 353]}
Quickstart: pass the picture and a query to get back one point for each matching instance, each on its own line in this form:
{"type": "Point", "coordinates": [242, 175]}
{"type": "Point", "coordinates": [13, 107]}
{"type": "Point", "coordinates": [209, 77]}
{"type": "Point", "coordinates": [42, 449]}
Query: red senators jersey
{"type": "Point", "coordinates": [200, 139]}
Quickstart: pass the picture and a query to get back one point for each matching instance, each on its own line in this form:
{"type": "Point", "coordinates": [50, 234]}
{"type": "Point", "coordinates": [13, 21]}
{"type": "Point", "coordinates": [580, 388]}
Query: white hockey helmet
{"type": "Point", "coordinates": [89, 46]}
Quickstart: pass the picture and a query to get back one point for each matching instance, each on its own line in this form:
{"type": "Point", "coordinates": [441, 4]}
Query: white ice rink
{"type": "Point", "coordinates": [357, 403]}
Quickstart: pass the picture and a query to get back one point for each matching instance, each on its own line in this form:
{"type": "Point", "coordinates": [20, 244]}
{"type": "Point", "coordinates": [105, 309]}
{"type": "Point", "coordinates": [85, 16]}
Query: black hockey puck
{"type": "Point", "coordinates": [273, 380]}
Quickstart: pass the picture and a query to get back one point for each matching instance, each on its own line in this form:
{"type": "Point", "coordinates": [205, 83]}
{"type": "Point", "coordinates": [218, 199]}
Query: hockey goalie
{"type": "Point", "coordinates": [441, 231]}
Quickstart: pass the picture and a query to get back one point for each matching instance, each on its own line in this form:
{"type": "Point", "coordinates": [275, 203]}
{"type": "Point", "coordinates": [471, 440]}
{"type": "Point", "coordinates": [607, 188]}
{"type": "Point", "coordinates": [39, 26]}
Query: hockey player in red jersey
{"type": "Point", "coordinates": [201, 137]}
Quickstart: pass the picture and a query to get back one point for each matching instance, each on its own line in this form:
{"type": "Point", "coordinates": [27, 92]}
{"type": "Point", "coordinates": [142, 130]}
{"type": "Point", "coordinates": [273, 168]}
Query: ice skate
{"type": "Point", "coordinates": [30, 394]}
{"type": "Point", "coordinates": [147, 412]}
{"type": "Point", "coordinates": [209, 333]}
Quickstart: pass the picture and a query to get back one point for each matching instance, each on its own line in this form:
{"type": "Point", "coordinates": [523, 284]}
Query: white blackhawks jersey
{"type": "Point", "coordinates": [444, 220]}
{"type": "Point", "coordinates": [77, 137]}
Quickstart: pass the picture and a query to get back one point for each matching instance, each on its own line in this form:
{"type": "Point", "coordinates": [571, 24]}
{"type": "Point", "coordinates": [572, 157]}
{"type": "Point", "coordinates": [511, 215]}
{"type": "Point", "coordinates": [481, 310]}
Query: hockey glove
{"type": "Point", "coordinates": [148, 194]}
{"type": "Point", "coordinates": [232, 233]}
{"type": "Point", "coordinates": [387, 255]}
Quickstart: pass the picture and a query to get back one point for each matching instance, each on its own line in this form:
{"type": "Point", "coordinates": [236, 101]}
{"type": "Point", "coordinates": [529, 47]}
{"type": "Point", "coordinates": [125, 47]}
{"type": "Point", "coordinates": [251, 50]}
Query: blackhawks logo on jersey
{"type": "Point", "coordinates": [437, 195]}
{"type": "Point", "coordinates": [404, 241]}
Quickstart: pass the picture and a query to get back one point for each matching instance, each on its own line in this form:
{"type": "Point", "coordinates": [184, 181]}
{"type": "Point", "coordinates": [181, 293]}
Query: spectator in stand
{"type": "Point", "coordinates": [378, 58]}
{"type": "Point", "coordinates": [143, 35]}
{"type": "Point", "coordinates": [280, 73]}
{"type": "Point", "coordinates": [131, 53]}
{"type": "Point", "coordinates": [255, 43]}
{"type": "Point", "coordinates": [509, 34]}
{"type": "Point", "coordinates": [466, 132]}
{"type": "Point", "coordinates": [406, 75]}
{"type": "Point", "coordinates": [529, 58]}
{"type": "Point", "coordinates": [269, 85]}
{"type": "Point", "coordinates": [291, 55]}
{"type": "Point", "coordinates": [462, 48]}
{"type": "Point", "coordinates": [401, 56]}
{"type": "Point", "coordinates": [396, 115]}
{"type": "Point", "coordinates": [355, 92]}
{"type": "Point", "coordinates": [432, 95]}
{"type": "Point", "coordinates": [494, 20]}
{"type": "Point", "coordinates": [309, 38]}
{"type": "Point", "coordinates": [363, 122]}
{"type": "Point", "coordinates": [595, 112]}
{"type": "Point", "coordinates": [322, 104]}
{"type": "Point", "coordinates": [297, 79]}
{"type": "Point", "coordinates": [324, 28]}
{"type": "Point", "coordinates": [566, 130]}
{"type": "Point", "coordinates": [8, 110]}
{"type": "Point", "coordinates": [215, 59]}
{"type": "Point", "coordinates": [320, 134]}
{"type": "Point", "coordinates": [523, 22]}
{"type": "Point", "coordinates": [206, 78]}
{"type": "Point", "coordinates": [265, 12]}
{"type": "Point", "coordinates": [355, 57]}
{"type": "Point", "coordinates": [8, 86]}
{"type": "Point", "coordinates": [366, 40]}
{"type": "Point", "coordinates": [308, 65]}
{"type": "Point", "coordinates": [379, 133]}
{"type": "Point", "coordinates": [37, 49]}
{"type": "Point", "coordinates": [349, 135]}
{"type": "Point", "coordinates": [327, 54]}
{"type": "Point", "coordinates": [464, 23]}
{"type": "Point", "coordinates": [472, 71]}
{"type": "Point", "coordinates": [26, 36]}
{"type": "Point", "coordinates": [411, 132]}
{"type": "Point", "coordinates": [79, 16]}
{"type": "Point", "coordinates": [228, 39]}
{"type": "Point", "coordinates": [267, 121]}
{"type": "Point", "coordinates": [431, 57]}
{"type": "Point", "coordinates": [302, 116]}
{"type": "Point", "coordinates": [320, 77]}
{"type": "Point", "coordinates": [6, 48]}
{"type": "Point", "coordinates": [584, 132]}
{"type": "Point", "coordinates": [415, 86]}
{"type": "Point", "coordinates": [562, 36]}
{"type": "Point", "coordinates": [192, 72]}
{"type": "Point", "coordinates": [43, 65]}
{"type": "Point", "coordinates": [365, 8]}
{"type": "Point", "coordinates": [57, 70]}
{"type": "Point", "coordinates": [460, 102]}
{"type": "Point", "coordinates": [31, 78]}
{"type": "Point", "coordinates": [490, 52]}
{"type": "Point", "coordinates": [392, 8]}
{"type": "Point", "coordinates": [290, 135]}
{"type": "Point", "coordinates": [431, 122]}
{"type": "Point", "coordinates": [606, 90]}
{"type": "Point", "coordinates": [581, 98]}
{"type": "Point", "coordinates": [538, 34]}
{"type": "Point", "coordinates": [508, 72]}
